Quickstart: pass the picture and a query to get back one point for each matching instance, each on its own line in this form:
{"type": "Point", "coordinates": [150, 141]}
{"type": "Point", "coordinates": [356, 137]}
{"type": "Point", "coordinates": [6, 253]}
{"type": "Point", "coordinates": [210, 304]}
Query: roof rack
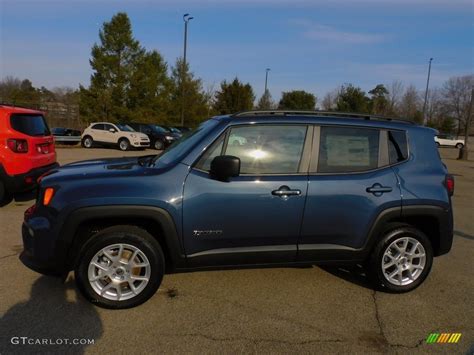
{"type": "Point", "coordinates": [34, 107]}
{"type": "Point", "coordinates": [318, 113]}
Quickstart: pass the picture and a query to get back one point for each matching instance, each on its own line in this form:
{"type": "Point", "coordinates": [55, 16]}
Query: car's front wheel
{"type": "Point", "coordinates": [124, 144]}
{"type": "Point", "coordinates": [121, 267]}
{"type": "Point", "coordinates": [401, 260]}
{"type": "Point", "coordinates": [459, 145]}
{"type": "Point", "coordinates": [159, 145]}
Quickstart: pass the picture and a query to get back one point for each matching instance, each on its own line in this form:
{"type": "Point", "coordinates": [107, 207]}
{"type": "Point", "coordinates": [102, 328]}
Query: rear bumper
{"type": "Point", "coordinates": [26, 181]}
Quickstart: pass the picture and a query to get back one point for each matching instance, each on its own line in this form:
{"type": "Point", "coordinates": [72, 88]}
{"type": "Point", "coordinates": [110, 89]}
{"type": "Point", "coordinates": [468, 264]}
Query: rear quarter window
{"type": "Point", "coordinates": [397, 146]}
{"type": "Point", "coordinates": [31, 125]}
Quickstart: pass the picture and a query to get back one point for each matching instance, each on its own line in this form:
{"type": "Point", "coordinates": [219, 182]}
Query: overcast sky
{"type": "Point", "coordinates": [311, 45]}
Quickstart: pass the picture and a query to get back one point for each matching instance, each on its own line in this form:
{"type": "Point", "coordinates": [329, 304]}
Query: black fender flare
{"type": "Point", "coordinates": [96, 213]}
{"type": "Point", "coordinates": [401, 213]}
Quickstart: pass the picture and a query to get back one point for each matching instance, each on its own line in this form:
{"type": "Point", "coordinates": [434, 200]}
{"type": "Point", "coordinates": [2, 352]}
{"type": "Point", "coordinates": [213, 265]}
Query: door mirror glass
{"type": "Point", "coordinates": [224, 167]}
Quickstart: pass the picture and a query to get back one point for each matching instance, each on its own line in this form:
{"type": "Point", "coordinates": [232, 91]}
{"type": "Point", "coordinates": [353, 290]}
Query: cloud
{"type": "Point", "coordinates": [330, 34]}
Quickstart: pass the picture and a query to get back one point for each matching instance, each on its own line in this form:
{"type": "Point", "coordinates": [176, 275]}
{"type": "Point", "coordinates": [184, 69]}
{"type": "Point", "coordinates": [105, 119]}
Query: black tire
{"type": "Point", "coordinates": [87, 142]}
{"type": "Point", "coordinates": [5, 196]}
{"type": "Point", "coordinates": [159, 145]}
{"type": "Point", "coordinates": [438, 145]}
{"type": "Point", "coordinates": [459, 145]}
{"type": "Point", "coordinates": [124, 144]}
{"type": "Point", "coordinates": [374, 267]}
{"type": "Point", "coordinates": [124, 234]}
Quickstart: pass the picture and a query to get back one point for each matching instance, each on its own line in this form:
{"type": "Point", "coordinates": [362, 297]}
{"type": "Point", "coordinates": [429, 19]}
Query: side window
{"type": "Point", "coordinates": [213, 151]}
{"type": "Point", "coordinates": [397, 146]}
{"type": "Point", "coordinates": [345, 150]}
{"type": "Point", "coordinates": [265, 149]}
{"type": "Point", "coordinates": [109, 126]}
{"type": "Point", "coordinates": [98, 126]}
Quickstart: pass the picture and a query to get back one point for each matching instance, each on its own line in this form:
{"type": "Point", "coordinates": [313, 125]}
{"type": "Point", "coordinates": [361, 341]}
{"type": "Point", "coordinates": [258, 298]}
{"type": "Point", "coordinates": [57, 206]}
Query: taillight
{"type": "Point", "coordinates": [48, 196]}
{"type": "Point", "coordinates": [449, 182]}
{"type": "Point", "coordinates": [18, 145]}
{"type": "Point", "coordinates": [43, 148]}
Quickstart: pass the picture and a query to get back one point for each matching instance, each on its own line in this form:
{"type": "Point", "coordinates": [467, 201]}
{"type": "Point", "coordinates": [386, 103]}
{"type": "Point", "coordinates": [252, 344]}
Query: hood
{"type": "Point", "coordinates": [90, 169]}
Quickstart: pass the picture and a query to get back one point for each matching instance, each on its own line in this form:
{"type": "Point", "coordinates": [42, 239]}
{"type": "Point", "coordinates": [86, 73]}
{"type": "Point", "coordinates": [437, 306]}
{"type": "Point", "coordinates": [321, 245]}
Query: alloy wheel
{"type": "Point", "coordinates": [403, 261]}
{"type": "Point", "coordinates": [119, 272]}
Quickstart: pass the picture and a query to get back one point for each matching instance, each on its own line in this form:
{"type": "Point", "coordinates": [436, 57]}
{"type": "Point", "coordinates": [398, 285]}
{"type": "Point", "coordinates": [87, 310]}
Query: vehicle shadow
{"type": "Point", "coordinates": [354, 274]}
{"type": "Point", "coordinates": [52, 316]}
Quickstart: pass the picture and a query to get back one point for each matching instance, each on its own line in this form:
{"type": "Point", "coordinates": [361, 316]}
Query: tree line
{"type": "Point", "coordinates": [130, 83]}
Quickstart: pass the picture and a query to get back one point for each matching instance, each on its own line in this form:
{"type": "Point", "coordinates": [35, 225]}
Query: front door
{"type": "Point", "coordinates": [256, 217]}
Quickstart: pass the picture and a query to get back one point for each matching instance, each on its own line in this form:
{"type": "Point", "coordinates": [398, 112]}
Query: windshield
{"type": "Point", "coordinates": [175, 130]}
{"type": "Point", "coordinates": [182, 146]}
{"type": "Point", "coordinates": [125, 128]}
{"type": "Point", "coordinates": [159, 129]}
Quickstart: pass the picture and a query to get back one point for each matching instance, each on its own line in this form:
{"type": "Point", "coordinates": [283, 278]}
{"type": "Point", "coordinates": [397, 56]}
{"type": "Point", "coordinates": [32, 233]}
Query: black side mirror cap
{"type": "Point", "coordinates": [224, 167]}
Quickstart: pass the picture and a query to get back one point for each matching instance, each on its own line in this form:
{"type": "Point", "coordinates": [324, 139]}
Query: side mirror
{"type": "Point", "coordinates": [224, 167]}
{"type": "Point", "coordinates": [112, 130]}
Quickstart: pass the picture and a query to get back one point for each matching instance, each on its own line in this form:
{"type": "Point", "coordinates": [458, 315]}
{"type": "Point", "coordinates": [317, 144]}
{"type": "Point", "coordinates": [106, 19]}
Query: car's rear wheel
{"type": "Point", "coordinates": [87, 142]}
{"type": "Point", "coordinates": [124, 144]}
{"type": "Point", "coordinates": [402, 259]}
{"type": "Point", "coordinates": [159, 145]}
{"type": "Point", "coordinates": [459, 145]}
{"type": "Point", "coordinates": [437, 144]}
{"type": "Point", "coordinates": [121, 267]}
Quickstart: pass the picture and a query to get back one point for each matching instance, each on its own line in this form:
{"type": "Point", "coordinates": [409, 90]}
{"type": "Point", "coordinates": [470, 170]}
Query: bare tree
{"type": "Point", "coordinates": [410, 104]}
{"type": "Point", "coordinates": [457, 98]}
{"type": "Point", "coordinates": [395, 92]}
{"type": "Point", "coordinates": [329, 100]}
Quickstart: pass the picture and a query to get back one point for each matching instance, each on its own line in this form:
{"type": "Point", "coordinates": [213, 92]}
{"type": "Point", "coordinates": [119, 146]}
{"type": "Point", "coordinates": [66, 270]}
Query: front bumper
{"type": "Point", "coordinates": [39, 248]}
{"type": "Point", "coordinates": [142, 144]}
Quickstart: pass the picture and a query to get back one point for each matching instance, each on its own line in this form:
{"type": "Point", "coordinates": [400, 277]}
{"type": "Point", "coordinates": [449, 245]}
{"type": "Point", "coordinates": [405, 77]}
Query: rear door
{"type": "Point", "coordinates": [255, 217]}
{"type": "Point", "coordinates": [97, 131]}
{"type": "Point", "coordinates": [350, 183]}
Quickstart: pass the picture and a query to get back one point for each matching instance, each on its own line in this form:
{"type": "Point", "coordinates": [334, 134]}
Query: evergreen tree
{"type": "Point", "coordinates": [297, 100]}
{"type": "Point", "coordinates": [113, 62]}
{"type": "Point", "coordinates": [352, 99]}
{"type": "Point", "coordinates": [195, 103]}
{"type": "Point", "coordinates": [234, 97]}
{"type": "Point", "coordinates": [378, 102]}
{"type": "Point", "coordinates": [265, 102]}
{"type": "Point", "coordinates": [149, 93]}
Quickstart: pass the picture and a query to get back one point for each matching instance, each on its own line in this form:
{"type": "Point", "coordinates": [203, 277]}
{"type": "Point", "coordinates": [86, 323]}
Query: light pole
{"type": "Point", "coordinates": [426, 92]}
{"type": "Point", "coordinates": [266, 79]}
{"type": "Point", "coordinates": [186, 19]}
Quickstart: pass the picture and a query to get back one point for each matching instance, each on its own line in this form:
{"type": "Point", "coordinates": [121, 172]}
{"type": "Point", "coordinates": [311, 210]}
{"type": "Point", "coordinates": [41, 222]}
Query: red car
{"type": "Point", "coordinates": [26, 150]}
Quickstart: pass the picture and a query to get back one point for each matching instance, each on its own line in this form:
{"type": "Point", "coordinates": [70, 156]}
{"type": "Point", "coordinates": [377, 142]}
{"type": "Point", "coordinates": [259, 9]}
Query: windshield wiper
{"type": "Point", "coordinates": [143, 159]}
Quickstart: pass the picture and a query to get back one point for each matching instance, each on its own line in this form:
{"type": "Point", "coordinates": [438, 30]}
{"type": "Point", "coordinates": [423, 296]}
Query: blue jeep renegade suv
{"type": "Point", "coordinates": [251, 189]}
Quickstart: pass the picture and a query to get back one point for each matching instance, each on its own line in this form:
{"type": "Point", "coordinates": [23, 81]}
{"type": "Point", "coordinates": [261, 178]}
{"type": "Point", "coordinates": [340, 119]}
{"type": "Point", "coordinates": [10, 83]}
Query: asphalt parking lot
{"type": "Point", "coordinates": [285, 310]}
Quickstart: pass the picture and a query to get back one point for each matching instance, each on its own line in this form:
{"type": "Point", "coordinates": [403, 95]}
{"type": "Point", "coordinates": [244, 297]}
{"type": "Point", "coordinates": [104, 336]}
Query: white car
{"type": "Point", "coordinates": [448, 141]}
{"type": "Point", "coordinates": [121, 135]}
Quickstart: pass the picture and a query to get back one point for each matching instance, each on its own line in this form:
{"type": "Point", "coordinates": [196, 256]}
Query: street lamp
{"type": "Point", "coordinates": [186, 19]}
{"type": "Point", "coordinates": [426, 91]}
{"type": "Point", "coordinates": [266, 79]}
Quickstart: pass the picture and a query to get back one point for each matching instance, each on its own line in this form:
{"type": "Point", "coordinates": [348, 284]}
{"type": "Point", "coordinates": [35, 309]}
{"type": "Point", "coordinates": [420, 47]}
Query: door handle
{"type": "Point", "coordinates": [284, 191]}
{"type": "Point", "coordinates": [378, 189]}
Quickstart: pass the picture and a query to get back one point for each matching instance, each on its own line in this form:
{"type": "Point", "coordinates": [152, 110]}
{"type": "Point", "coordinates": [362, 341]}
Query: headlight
{"type": "Point", "coordinates": [169, 138]}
